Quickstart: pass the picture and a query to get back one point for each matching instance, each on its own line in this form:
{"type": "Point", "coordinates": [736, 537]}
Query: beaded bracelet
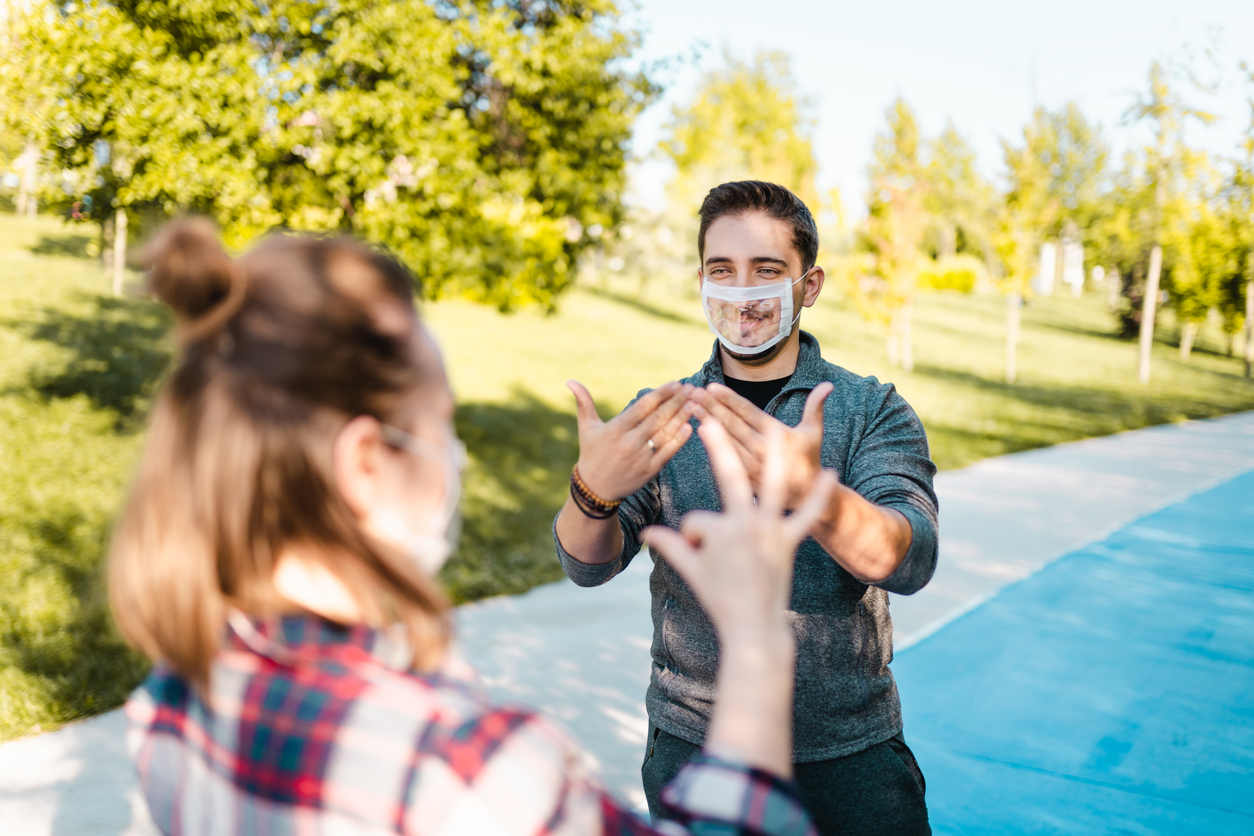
{"type": "Point", "coordinates": [588, 511]}
{"type": "Point", "coordinates": [589, 500]}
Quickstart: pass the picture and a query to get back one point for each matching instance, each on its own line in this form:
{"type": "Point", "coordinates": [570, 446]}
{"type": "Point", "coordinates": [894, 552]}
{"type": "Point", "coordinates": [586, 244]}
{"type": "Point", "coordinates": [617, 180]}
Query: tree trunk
{"type": "Point", "coordinates": [894, 345]}
{"type": "Point", "coordinates": [1148, 309]}
{"type": "Point", "coordinates": [1188, 333]}
{"type": "Point", "coordinates": [1249, 326]}
{"type": "Point", "coordinates": [119, 251]}
{"type": "Point", "coordinates": [907, 336]}
{"type": "Point", "coordinates": [1114, 286]}
{"type": "Point", "coordinates": [29, 180]}
{"type": "Point", "coordinates": [1014, 304]}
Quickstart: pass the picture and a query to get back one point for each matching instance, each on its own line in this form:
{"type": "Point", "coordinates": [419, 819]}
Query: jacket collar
{"type": "Point", "coordinates": [807, 375]}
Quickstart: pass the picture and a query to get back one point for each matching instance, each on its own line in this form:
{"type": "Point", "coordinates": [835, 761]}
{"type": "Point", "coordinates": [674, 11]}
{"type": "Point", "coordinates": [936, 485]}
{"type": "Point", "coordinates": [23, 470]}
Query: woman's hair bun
{"type": "Point", "coordinates": [190, 271]}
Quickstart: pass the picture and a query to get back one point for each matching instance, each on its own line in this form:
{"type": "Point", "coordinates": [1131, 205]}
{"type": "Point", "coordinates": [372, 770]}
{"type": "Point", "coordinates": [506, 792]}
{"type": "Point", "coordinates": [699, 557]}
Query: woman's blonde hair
{"type": "Point", "coordinates": [278, 350]}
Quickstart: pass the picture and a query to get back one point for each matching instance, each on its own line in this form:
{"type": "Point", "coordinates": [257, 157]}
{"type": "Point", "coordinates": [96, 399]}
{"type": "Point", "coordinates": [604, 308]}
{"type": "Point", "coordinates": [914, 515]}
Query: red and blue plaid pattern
{"type": "Point", "coordinates": [314, 728]}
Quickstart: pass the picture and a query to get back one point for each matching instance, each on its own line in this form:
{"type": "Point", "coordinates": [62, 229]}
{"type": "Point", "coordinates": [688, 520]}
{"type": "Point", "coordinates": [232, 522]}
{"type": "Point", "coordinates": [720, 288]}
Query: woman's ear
{"type": "Point", "coordinates": [357, 462]}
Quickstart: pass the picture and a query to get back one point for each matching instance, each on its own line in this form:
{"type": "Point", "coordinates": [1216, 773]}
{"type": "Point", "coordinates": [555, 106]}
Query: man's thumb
{"type": "Point", "coordinates": [585, 409]}
{"type": "Point", "coordinates": [812, 418]}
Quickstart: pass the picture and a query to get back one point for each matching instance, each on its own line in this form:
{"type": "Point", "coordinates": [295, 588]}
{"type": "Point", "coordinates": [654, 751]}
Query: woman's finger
{"type": "Point", "coordinates": [773, 482]}
{"type": "Point", "coordinates": [729, 470]}
{"type": "Point", "coordinates": [797, 525]}
{"type": "Point", "coordinates": [674, 547]}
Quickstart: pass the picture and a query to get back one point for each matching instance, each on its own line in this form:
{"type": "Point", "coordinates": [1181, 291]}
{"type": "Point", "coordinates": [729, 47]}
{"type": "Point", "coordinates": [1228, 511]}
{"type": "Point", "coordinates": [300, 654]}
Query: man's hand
{"type": "Point", "coordinates": [618, 456]}
{"type": "Point", "coordinates": [748, 427]}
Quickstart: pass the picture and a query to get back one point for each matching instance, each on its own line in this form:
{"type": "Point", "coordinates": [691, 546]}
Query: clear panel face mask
{"type": "Point", "coordinates": [434, 545]}
{"type": "Point", "coordinates": [750, 320]}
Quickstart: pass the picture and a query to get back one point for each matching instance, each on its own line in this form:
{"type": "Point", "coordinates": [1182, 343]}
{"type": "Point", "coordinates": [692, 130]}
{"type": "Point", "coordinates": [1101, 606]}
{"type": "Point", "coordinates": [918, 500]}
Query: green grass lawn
{"type": "Point", "coordinates": [78, 368]}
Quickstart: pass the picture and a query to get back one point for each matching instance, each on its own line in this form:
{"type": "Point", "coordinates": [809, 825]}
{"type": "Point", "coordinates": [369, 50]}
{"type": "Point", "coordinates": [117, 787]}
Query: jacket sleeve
{"type": "Point", "coordinates": [637, 512]}
{"type": "Point", "coordinates": [891, 466]}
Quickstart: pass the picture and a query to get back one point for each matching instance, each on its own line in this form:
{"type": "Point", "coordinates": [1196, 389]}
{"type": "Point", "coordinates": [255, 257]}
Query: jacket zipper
{"type": "Point", "coordinates": [862, 683]}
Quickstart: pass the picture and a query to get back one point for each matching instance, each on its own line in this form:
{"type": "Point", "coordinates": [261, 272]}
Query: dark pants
{"type": "Point", "coordinates": [875, 791]}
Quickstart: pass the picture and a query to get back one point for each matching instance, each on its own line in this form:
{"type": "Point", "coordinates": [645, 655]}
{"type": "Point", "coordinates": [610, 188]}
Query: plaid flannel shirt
{"type": "Point", "coordinates": [318, 728]}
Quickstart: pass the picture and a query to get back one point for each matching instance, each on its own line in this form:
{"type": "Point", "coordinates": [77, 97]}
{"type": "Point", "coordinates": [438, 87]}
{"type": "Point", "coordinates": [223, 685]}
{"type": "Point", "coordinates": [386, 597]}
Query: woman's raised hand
{"type": "Point", "coordinates": [618, 456]}
{"type": "Point", "coordinates": [739, 563]}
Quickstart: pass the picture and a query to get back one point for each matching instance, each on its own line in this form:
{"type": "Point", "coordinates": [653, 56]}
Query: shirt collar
{"type": "Point", "coordinates": [304, 638]}
{"type": "Point", "coordinates": [807, 375]}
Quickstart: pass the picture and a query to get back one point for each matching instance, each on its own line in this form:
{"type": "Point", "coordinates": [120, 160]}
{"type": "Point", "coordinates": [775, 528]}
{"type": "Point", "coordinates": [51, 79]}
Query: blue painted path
{"type": "Point", "coordinates": [1111, 692]}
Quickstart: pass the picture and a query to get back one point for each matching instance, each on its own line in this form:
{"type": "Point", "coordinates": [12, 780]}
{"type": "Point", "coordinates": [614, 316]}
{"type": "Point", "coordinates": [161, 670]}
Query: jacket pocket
{"type": "Point", "coordinates": [864, 631]}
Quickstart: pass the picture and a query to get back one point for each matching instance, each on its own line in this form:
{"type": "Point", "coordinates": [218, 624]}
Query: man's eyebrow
{"type": "Point", "coordinates": [761, 259]}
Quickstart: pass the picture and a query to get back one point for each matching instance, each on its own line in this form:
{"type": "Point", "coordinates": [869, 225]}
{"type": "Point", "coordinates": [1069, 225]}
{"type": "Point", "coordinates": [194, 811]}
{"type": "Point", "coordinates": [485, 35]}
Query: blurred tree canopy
{"type": "Point", "coordinates": [746, 121]}
{"type": "Point", "coordinates": [478, 140]}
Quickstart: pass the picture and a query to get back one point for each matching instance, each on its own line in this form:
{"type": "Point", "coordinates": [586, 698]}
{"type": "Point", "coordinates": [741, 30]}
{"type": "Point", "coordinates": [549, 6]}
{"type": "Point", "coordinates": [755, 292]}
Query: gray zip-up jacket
{"type": "Point", "coordinates": [845, 699]}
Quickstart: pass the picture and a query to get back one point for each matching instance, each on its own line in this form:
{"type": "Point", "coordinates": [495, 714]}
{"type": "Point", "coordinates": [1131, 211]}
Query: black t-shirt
{"type": "Point", "coordinates": [757, 392]}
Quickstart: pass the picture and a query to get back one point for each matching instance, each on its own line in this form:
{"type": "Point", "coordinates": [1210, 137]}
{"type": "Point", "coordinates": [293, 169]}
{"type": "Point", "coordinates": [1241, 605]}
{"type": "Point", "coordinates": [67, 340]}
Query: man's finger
{"type": "Point", "coordinates": [653, 424]}
{"type": "Point", "coordinates": [729, 470]}
{"type": "Point", "coordinates": [797, 524]}
{"type": "Point", "coordinates": [743, 407]}
{"type": "Point", "coordinates": [671, 446]}
{"type": "Point", "coordinates": [585, 408]}
{"type": "Point", "coordinates": [646, 403]}
{"type": "Point", "coordinates": [736, 426]}
{"type": "Point", "coordinates": [812, 417]}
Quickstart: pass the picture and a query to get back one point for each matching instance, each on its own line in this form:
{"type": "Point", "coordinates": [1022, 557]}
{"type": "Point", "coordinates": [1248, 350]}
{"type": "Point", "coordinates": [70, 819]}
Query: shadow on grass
{"type": "Point", "coordinates": [521, 455]}
{"type": "Point", "coordinates": [55, 626]}
{"type": "Point", "coordinates": [117, 353]}
{"type": "Point", "coordinates": [643, 307]}
{"type": "Point", "coordinates": [71, 244]}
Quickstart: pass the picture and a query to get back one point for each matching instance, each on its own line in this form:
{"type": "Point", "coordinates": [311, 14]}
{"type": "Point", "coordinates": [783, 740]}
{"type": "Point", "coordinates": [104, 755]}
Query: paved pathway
{"type": "Point", "coordinates": [582, 655]}
{"type": "Point", "coordinates": [1112, 692]}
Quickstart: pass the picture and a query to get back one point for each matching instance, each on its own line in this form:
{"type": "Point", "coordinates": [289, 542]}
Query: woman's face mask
{"type": "Point", "coordinates": [750, 320]}
{"type": "Point", "coordinates": [432, 543]}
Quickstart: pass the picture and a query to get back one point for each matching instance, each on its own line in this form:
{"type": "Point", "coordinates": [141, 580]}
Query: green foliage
{"type": "Point", "coordinates": [477, 140]}
{"type": "Point", "coordinates": [896, 212]}
{"type": "Point", "coordinates": [746, 121]}
{"type": "Point", "coordinates": [960, 202]}
{"type": "Point", "coordinates": [959, 272]}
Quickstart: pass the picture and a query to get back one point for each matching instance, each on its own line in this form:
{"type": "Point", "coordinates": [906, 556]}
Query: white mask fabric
{"type": "Point", "coordinates": [431, 547]}
{"type": "Point", "coordinates": [750, 320]}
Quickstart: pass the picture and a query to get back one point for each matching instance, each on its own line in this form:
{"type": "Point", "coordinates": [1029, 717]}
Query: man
{"type": "Point", "coordinates": [758, 245]}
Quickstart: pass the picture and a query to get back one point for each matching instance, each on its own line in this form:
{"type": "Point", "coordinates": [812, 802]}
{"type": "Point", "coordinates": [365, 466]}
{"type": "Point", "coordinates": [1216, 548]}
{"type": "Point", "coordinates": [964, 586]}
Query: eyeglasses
{"type": "Point", "coordinates": [411, 443]}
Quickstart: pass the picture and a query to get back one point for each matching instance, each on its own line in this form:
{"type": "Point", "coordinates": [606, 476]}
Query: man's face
{"type": "Point", "coordinates": [747, 251]}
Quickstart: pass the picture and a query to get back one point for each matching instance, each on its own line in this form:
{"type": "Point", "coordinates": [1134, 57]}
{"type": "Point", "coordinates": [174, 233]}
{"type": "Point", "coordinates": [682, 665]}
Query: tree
{"type": "Point", "coordinates": [25, 99]}
{"type": "Point", "coordinates": [1030, 208]}
{"type": "Point", "coordinates": [1164, 160]}
{"type": "Point", "coordinates": [477, 140]}
{"type": "Point", "coordinates": [895, 225]}
{"type": "Point", "coordinates": [746, 121]}
{"type": "Point", "coordinates": [959, 200]}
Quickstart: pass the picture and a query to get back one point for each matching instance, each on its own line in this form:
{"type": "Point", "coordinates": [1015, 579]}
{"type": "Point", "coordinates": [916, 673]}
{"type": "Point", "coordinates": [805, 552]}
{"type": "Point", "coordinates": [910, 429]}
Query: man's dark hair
{"type": "Point", "coordinates": [744, 196]}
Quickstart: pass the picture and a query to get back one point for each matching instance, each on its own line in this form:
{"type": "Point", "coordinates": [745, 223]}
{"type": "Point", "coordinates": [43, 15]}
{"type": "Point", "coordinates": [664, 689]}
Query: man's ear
{"type": "Point", "coordinates": [813, 286]}
{"type": "Point", "coordinates": [356, 461]}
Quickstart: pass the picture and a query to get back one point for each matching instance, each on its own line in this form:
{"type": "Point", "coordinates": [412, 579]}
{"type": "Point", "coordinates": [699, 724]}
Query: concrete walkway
{"type": "Point", "coordinates": [582, 655]}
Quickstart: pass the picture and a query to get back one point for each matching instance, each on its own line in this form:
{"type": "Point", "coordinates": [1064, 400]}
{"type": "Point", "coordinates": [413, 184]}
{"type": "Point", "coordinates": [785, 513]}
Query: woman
{"type": "Point", "coordinates": [276, 559]}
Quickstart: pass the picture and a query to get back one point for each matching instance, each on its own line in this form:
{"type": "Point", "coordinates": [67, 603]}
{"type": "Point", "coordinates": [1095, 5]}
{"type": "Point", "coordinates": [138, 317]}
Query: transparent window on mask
{"type": "Point", "coordinates": [748, 322]}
